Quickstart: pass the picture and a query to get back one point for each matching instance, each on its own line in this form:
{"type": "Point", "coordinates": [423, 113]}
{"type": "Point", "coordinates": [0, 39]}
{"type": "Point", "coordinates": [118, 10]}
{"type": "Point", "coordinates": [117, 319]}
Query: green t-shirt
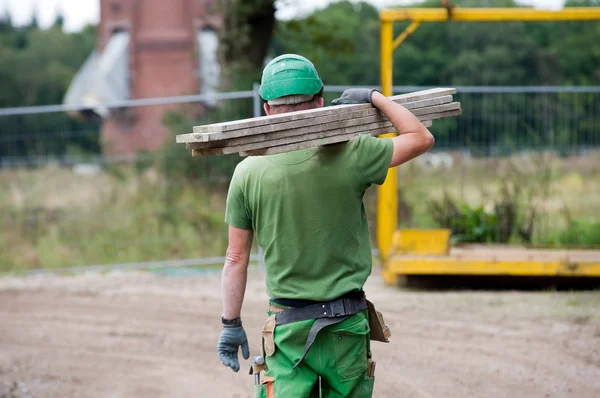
{"type": "Point", "coordinates": [306, 208]}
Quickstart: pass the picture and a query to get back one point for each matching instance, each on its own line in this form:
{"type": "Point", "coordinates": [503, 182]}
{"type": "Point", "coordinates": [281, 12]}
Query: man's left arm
{"type": "Point", "coordinates": [233, 286]}
{"type": "Point", "coordinates": [235, 271]}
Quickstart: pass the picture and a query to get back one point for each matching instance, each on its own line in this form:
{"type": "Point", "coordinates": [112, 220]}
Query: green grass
{"type": "Point", "coordinates": [584, 233]}
{"type": "Point", "coordinates": [53, 218]}
{"type": "Point", "coordinates": [564, 191]}
{"type": "Point", "coordinates": [573, 303]}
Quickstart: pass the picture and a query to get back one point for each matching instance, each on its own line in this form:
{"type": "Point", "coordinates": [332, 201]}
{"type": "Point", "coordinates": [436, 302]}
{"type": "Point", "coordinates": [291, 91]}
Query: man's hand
{"type": "Point", "coordinates": [233, 285]}
{"type": "Point", "coordinates": [355, 96]}
{"type": "Point", "coordinates": [413, 137]}
{"type": "Point", "coordinates": [232, 337]}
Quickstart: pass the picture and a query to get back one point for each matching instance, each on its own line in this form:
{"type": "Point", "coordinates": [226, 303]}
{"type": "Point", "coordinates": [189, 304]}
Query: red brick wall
{"type": "Point", "coordinates": [163, 62]}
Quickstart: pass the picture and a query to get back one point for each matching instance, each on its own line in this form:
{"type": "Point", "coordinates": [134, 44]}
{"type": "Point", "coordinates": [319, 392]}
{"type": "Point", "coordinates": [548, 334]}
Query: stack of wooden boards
{"type": "Point", "coordinates": [268, 135]}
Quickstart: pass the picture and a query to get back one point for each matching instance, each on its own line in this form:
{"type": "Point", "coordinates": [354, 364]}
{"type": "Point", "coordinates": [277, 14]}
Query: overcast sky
{"type": "Point", "coordinates": [78, 13]}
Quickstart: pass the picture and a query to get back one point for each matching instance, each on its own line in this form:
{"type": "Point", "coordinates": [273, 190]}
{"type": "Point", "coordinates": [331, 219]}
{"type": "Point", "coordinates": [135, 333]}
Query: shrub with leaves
{"type": "Point", "coordinates": [468, 224]}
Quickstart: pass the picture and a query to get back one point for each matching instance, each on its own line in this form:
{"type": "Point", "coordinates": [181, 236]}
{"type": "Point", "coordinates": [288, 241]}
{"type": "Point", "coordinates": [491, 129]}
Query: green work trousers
{"type": "Point", "coordinates": [338, 354]}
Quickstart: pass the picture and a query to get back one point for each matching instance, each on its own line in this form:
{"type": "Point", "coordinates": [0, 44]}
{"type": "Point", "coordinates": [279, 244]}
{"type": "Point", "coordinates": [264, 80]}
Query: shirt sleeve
{"type": "Point", "coordinates": [237, 212]}
{"type": "Point", "coordinates": [373, 156]}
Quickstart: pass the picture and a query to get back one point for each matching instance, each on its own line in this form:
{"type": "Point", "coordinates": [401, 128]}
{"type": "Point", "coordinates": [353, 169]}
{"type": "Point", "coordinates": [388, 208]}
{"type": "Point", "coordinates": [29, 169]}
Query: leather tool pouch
{"type": "Point", "coordinates": [370, 368]}
{"type": "Point", "coordinates": [268, 334]}
{"type": "Point", "coordinates": [379, 330]}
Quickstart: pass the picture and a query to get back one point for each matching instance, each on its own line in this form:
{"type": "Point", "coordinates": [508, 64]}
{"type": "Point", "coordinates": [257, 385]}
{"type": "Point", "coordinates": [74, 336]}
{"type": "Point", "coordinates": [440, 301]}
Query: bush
{"type": "Point", "coordinates": [467, 224]}
{"type": "Point", "coordinates": [127, 219]}
{"type": "Point", "coordinates": [177, 163]}
{"type": "Point", "coordinates": [579, 233]}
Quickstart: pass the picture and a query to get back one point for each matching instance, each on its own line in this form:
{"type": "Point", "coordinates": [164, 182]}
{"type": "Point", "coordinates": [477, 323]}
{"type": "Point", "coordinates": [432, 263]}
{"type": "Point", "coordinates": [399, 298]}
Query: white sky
{"type": "Point", "coordinates": [79, 13]}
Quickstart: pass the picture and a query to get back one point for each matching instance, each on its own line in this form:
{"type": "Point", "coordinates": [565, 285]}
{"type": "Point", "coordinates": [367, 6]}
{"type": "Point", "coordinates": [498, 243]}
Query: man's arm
{"type": "Point", "coordinates": [235, 271]}
{"type": "Point", "coordinates": [414, 138]}
{"type": "Point", "coordinates": [233, 285]}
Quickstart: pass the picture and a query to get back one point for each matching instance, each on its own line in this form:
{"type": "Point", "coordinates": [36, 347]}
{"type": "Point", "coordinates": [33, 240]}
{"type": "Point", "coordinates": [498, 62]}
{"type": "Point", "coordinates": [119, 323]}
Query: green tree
{"type": "Point", "coordinates": [342, 40]}
{"type": "Point", "coordinates": [59, 21]}
{"type": "Point", "coordinates": [36, 69]}
{"type": "Point", "coordinates": [34, 23]}
{"type": "Point", "coordinates": [245, 38]}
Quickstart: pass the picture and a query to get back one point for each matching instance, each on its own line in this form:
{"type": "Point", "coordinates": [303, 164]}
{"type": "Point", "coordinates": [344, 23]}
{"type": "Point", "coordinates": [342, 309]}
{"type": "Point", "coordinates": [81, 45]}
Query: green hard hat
{"type": "Point", "coordinates": [289, 74]}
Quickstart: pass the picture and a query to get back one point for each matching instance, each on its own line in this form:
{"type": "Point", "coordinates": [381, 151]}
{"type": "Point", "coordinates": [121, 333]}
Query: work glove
{"type": "Point", "coordinates": [355, 96]}
{"type": "Point", "coordinates": [232, 337]}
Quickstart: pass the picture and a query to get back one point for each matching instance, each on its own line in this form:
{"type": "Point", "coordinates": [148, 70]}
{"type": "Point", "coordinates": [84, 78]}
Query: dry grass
{"type": "Point", "coordinates": [55, 218]}
{"type": "Point", "coordinates": [561, 189]}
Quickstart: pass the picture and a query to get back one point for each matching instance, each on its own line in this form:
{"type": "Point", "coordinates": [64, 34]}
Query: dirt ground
{"type": "Point", "coordinates": [135, 334]}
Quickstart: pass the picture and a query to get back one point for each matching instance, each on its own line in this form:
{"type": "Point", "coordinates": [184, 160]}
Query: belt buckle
{"type": "Point", "coordinates": [337, 308]}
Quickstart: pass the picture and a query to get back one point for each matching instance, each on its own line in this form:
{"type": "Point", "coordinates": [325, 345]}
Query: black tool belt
{"type": "Point", "coordinates": [326, 314]}
{"type": "Point", "coordinates": [337, 308]}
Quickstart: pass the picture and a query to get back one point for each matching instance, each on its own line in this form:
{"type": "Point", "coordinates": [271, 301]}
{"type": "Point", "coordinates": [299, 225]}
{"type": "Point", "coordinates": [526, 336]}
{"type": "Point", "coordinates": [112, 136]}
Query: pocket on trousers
{"type": "Point", "coordinates": [265, 389]}
{"type": "Point", "coordinates": [350, 346]}
{"type": "Point", "coordinates": [364, 389]}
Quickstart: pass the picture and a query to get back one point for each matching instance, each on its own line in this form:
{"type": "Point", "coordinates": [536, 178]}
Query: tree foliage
{"type": "Point", "coordinates": [343, 42]}
{"type": "Point", "coordinates": [245, 38]}
{"type": "Point", "coordinates": [36, 69]}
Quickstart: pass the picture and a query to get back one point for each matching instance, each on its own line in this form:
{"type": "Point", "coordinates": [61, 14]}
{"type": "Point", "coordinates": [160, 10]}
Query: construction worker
{"type": "Point", "coordinates": [306, 210]}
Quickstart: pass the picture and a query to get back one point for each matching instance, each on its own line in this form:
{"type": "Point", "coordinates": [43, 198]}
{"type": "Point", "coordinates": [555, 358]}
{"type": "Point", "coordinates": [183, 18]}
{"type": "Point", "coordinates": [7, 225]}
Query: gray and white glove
{"type": "Point", "coordinates": [355, 96]}
{"type": "Point", "coordinates": [232, 337]}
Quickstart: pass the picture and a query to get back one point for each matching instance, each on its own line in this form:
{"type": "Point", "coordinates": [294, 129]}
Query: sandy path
{"type": "Point", "coordinates": [140, 335]}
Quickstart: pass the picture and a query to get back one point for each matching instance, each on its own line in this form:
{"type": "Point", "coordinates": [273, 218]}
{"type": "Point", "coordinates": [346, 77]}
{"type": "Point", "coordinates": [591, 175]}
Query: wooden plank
{"type": "Point", "coordinates": [290, 134]}
{"type": "Point", "coordinates": [325, 141]}
{"type": "Point", "coordinates": [261, 138]}
{"type": "Point", "coordinates": [303, 122]}
{"type": "Point", "coordinates": [417, 105]}
{"type": "Point", "coordinates": [436, 109]}
{"type": "Point", "coordinates": [306, 144]}
{"type": "Point", "coordinates": [441, 115]}
{"type": "Point", "coordinates": [216, 149]}
{"type": "Point", "coordinates": [350, 129]}
{"type": "Point", "coordinates": [311, 113]}
{"type": "Point", "coordinates": [244, 124]}
{"type": "Point", "coordinates": [428, 102]}
{"type": "Point", "coordinates": [364, 128]}
{"type": "Point", "coordinates": [287, 126]}
{"type": "Point", "coordinates": [315, 139]}
{"type": "Point", "coordinates": [347, 129]}
{"type": "Point", "coordinates": [340, 128]}
{"type": "Point", "coordinates": [336, 139]}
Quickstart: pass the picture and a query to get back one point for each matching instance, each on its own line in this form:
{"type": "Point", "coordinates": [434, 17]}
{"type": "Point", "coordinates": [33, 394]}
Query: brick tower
{"type": "Point", "coordinates": [164, 53]}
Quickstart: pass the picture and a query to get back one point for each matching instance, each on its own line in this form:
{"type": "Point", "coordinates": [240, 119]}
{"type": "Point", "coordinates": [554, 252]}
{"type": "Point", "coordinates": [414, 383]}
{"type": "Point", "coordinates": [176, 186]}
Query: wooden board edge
{"type": "Point", "coordinates": [262, 120]}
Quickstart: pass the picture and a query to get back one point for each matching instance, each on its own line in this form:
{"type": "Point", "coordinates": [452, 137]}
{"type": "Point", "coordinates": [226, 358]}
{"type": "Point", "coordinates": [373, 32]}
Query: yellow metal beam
{"type": "Point", "coordinates": [387, 195]}
{"type": "Point", "coordinates": [387, 36]}
{"type": "Point", "coordinates": [464, 266]}
{"type": "Point", "coordinates": [421, 241]}
{"type": "Point", "coordinates": [387, 205]}
{"type": "Point", "coordinates": [490, 14]}
{"type": "Point", "coordinates": [407, 32]}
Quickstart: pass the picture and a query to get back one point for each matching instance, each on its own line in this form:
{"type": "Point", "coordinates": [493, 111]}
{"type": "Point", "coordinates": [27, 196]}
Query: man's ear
{"type": "Point", "coordinates": [320, 102]}
{"type": "Point", "coordinates": [267, 108]}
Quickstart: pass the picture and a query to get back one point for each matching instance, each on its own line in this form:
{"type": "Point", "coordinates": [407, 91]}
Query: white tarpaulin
{"type": "Point", "coordinates": [208, 45]}
{"type": "Point", "coordinates": [103, 78]}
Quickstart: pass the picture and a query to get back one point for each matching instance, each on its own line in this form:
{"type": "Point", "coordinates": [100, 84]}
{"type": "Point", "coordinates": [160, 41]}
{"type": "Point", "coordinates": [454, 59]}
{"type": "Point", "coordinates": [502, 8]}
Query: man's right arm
{"type": "Point", "coordinates": [413, 138]}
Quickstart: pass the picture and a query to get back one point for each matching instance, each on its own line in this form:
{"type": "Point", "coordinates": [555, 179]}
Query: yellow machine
{"type": "Point", "coordinates": [428, 252]}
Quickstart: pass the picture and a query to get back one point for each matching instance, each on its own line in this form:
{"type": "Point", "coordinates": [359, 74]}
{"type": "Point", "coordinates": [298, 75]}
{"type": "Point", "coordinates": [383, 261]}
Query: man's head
{"type": "Point", "coordinates": [290, 83]}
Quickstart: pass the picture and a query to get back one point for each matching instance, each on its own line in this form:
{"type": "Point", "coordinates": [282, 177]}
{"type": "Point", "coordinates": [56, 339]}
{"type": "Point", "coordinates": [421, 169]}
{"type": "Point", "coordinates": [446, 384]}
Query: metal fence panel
{"type": "Point", "coordinates": [521, 165]}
